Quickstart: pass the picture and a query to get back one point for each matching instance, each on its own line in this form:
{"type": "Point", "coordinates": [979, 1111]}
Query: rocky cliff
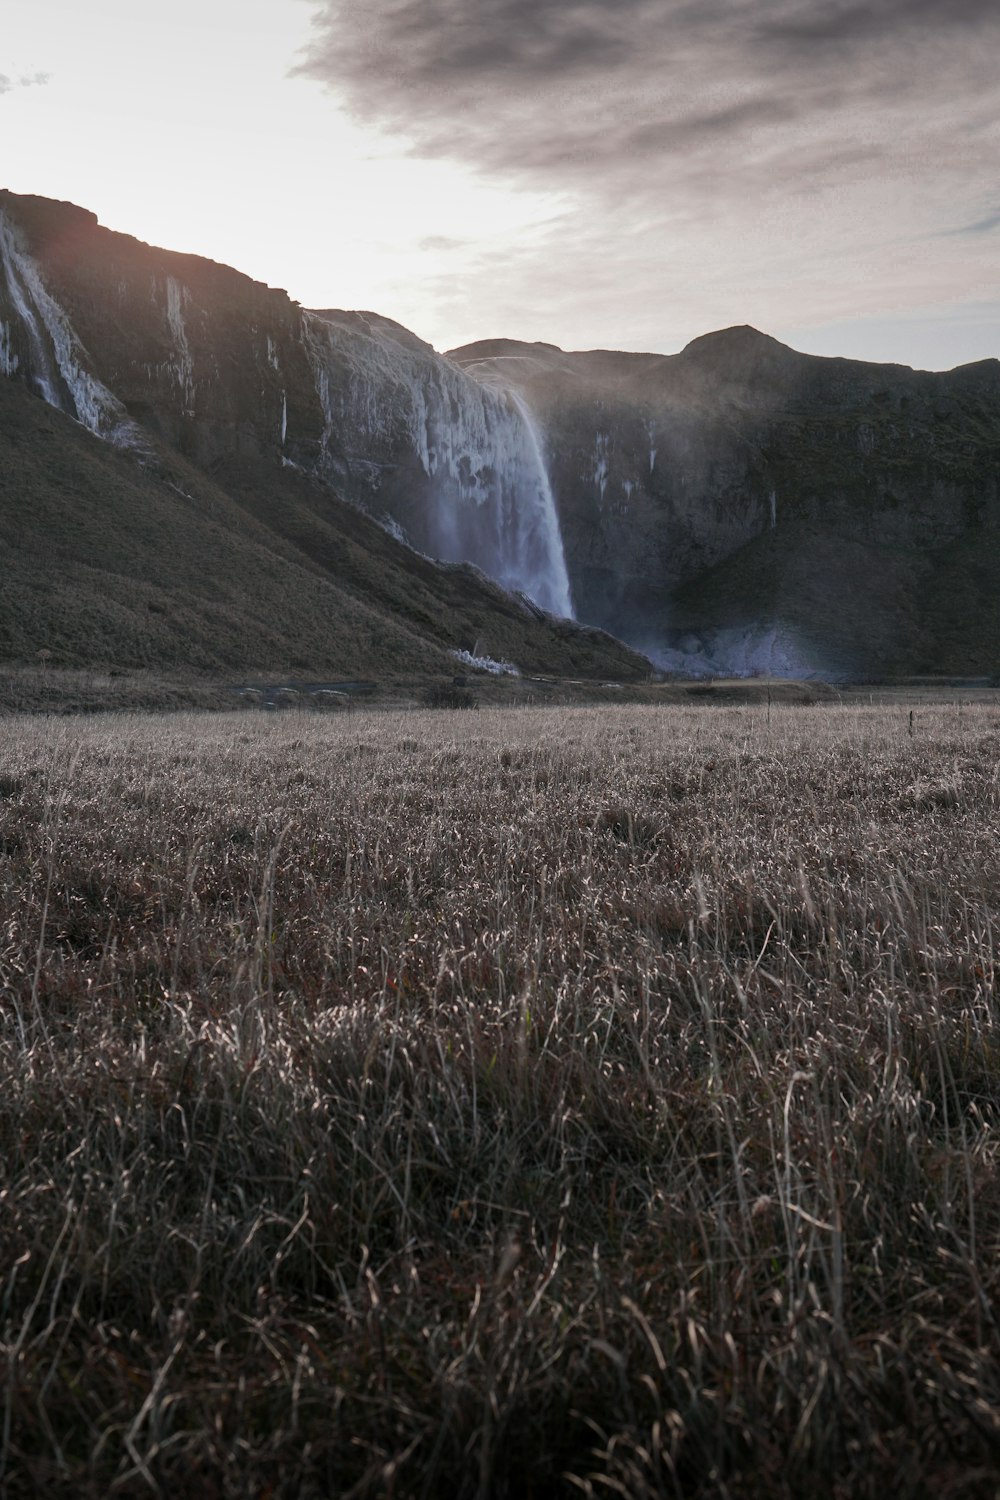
{"type": "Point", "coordinates": [219, 367]}
{"type": "Point", "coordinates": [737, 506]}
{"type": "Point", "coordinates": [751, 506]}
{"type": "Point", "coordinates": [210, 524]}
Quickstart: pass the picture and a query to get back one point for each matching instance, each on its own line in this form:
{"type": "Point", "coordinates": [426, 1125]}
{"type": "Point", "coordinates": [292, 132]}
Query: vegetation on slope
{"type": "Point", "coordinates": [107, 562]}
{"type": "Point", "coordinates": [115, 564]}
{"type": "Point", "coordinates": [622, 1122]}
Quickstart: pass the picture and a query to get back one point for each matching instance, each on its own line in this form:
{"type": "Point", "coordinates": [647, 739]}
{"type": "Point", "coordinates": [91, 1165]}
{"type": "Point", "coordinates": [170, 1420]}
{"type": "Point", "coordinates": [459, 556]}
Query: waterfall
{"type": "Point", "coordinates": [484, 495]}
{"type": "Point", "coordinates": [56, 359]}
{"type": "Point", "coordinates": [548, 547]}
{"type": "Point", "coordinates": [17, 274]}
{"type": "Point", "coordinates": [177, 296]}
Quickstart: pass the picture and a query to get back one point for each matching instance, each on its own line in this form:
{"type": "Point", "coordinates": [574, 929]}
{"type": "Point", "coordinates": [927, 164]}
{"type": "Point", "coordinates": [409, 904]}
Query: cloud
{"type": "Point", "coordinates": [847, 25]}
{"type": "Point", "coordinates": [26, 81]}
{"type": "Point", "coordinates": [980, 226]}
{"type": "Point", "coordinates": [594, 89]}
{"type": "Point", "coordinates": [778, 154]}
{"type": "Point", "coordinates": [440, 242]}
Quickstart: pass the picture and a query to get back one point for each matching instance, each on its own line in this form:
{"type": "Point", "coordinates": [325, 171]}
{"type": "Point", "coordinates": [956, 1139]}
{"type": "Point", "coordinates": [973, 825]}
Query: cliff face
{"type": "Point", "coordinates": [736, 506]}
{"type": "Point", "coordinates": [755, 507]}
{"type": "Point", "coordinates": [220, 367]}
{"type": "Point", "coordinates": [210, 525]}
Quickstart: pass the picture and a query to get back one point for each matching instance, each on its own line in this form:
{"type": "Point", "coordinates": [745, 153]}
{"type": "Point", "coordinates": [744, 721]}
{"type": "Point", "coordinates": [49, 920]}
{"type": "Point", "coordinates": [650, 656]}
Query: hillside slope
{"type": "Point", "coordinates": [109, 562]}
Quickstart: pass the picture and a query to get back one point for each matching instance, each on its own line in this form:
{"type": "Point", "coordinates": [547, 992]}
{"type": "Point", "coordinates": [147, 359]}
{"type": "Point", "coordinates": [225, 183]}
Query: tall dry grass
{"type": "Point", "coordinates": [587, 1102]}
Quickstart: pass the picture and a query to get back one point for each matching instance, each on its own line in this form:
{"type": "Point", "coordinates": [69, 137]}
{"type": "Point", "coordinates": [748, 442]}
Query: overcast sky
{"type": "Point", "coordinates": [594, 173]}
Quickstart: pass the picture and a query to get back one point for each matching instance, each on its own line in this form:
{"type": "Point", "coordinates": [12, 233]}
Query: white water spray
{"type": "Point", "coordinates": [17, 270]}
{"type": "Point", "coordinates": [57, 359]}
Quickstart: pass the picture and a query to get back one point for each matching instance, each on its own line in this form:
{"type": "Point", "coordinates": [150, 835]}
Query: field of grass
{"type": "Point", "coordinates": [503, 1104]}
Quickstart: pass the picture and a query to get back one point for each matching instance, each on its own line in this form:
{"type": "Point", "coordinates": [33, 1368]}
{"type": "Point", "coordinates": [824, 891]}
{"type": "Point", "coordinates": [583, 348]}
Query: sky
{"type": "Point", "coordinates": [623, 174]}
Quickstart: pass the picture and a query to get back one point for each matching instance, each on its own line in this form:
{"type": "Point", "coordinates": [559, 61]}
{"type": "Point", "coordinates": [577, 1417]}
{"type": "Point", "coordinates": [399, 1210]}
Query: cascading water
{"type": "Point", "coordinates": [487, 498]}
{"type": "Point", "coordinates": [451, 463]}
{"type": "Point", "coordinates": [55, 365]}
{"type": "Point", "coordinates": [539, 526]}
{"type": "Point", "coordinates": [177, 296]}
{"type": "Point", "coordinates": [16, 276]}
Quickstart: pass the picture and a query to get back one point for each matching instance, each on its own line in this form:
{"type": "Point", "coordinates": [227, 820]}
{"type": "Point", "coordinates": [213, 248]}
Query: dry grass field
{"type": "Point", "coordinates": [579, 1102]}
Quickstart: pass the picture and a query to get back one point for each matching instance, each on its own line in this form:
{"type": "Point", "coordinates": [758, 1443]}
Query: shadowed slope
{"type": "Point", "coordinates": [107, 561]}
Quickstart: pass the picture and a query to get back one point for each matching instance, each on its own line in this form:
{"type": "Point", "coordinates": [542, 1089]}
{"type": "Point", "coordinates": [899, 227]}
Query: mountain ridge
{"type": "Point", "coordinates": [708, 484]}
{"type": "Point", "coordinates": [706, 506]}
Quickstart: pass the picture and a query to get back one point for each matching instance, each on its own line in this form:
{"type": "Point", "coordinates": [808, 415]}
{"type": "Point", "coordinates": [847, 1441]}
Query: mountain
{"type": "Point", "coordinates": [219, 476]}
{"type": "Point", "coordinates": [179, 497]}
{"type": "Point", "coordinates": [743, 504]}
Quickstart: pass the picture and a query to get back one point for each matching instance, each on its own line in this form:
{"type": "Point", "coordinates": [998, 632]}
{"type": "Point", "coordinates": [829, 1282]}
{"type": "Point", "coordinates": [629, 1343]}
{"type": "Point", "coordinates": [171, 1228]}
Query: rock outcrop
{"type": "Point", "coordinates": [745, 506]}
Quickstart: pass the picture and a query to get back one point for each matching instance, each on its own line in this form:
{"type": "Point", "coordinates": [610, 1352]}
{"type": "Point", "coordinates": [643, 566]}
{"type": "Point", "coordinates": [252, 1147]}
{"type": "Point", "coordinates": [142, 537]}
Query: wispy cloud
{"type": "Point", "coordinates": [440, 242]}
{"type": "Point", "coordinates": [980, 226]}
{"type": "Point", "coordinates": [25, 81]}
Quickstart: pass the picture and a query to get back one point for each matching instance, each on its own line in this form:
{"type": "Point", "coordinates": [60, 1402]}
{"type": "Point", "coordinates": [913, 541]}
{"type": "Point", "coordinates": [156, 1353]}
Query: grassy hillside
{"type": "Point", "coordinates": [115, 564]}
{"type": "Point", "coordinates": [105, 562]}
